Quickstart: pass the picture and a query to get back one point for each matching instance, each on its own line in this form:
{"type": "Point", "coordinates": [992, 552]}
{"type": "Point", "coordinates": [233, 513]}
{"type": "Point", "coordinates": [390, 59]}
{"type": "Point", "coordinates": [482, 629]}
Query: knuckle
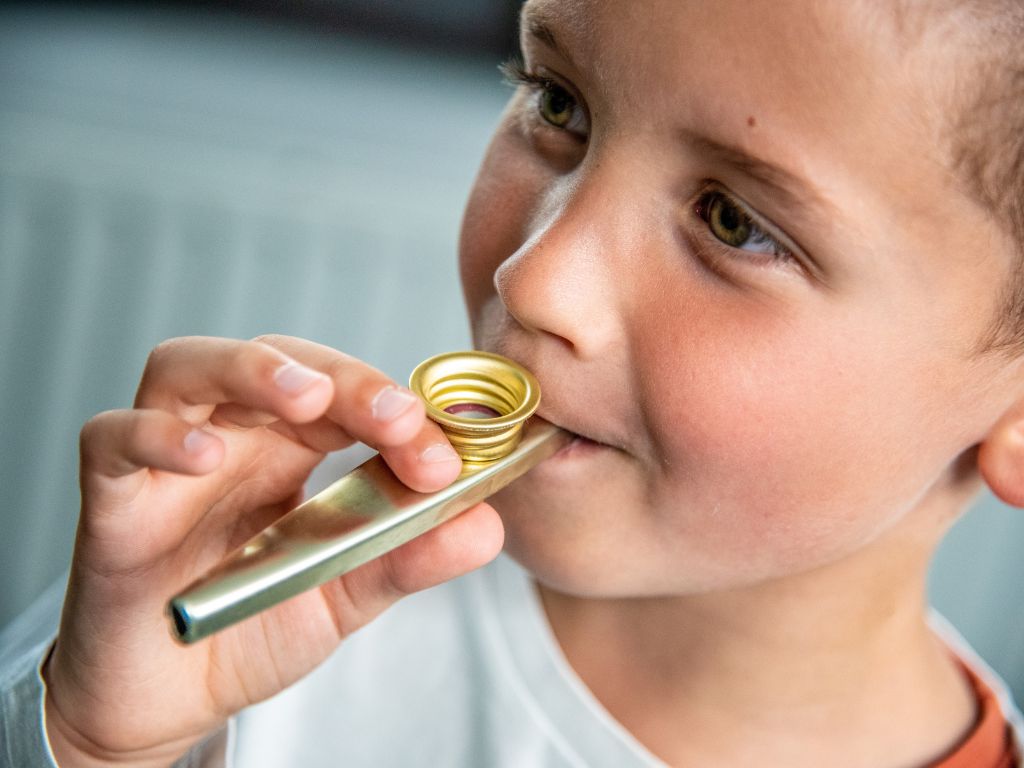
{"type": "Point", "coordinates": [256, 360]}
{"type": "Point", "coordinates": [340, 369]}
{"type": "Point", "coordinates": [138, 431]}
{"type": "Point", "coordinates": [395, 582]}
{"type": "Point", "coordinates": [161, 358]}
{"type": "Point", "coordinates": [277, 341]}
{"type": "Point", "coordinates": [92, 428]}
{"type": "Point", "coordinates": [165, 349]}
{"type": "Point", "coordinates": [107, 434]}
{"type": "Point", "coordinates": [362, 380]}
{"type": "Point", "coordinates": [241, 356]}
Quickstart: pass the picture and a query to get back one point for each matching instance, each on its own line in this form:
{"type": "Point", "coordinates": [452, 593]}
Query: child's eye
{"type": "Point", "coordinates": [732, 225]}
{"type": "Point", "coordinates": [556, 106]}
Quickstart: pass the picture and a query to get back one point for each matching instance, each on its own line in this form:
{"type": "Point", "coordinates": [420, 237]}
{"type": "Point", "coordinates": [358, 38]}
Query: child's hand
{"type": "Point", "coordinates": [219, 444]}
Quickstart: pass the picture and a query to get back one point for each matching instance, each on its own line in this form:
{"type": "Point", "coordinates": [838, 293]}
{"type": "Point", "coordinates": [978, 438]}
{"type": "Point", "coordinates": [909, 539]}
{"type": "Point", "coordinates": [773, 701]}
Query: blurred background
{"type": "Point", "coordinates": [238, 168]}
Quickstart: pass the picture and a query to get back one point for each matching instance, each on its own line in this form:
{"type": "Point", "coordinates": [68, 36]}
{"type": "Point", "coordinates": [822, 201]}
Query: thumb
{"type": "Point", "coordinates": [456, 547]}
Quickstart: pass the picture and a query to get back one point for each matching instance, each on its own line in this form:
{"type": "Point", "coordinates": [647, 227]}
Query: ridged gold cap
{"type": "Point", "coordinates": [480, 383]}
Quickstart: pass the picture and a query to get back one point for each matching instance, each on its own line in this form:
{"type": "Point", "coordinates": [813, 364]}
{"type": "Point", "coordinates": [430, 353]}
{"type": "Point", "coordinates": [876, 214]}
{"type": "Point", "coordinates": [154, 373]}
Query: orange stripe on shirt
{"type": "Point", "coordinates": [990, 742]}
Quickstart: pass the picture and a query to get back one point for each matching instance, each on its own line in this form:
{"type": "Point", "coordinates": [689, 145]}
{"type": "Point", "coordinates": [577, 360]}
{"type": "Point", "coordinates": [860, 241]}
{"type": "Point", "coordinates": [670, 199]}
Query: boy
{"type": "Point", "coordinates": [759, 256]}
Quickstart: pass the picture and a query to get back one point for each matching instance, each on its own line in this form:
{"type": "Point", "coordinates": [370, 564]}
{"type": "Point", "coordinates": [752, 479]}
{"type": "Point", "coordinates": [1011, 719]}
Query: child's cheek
{"type": "Point", "coordinates": [785, 445]}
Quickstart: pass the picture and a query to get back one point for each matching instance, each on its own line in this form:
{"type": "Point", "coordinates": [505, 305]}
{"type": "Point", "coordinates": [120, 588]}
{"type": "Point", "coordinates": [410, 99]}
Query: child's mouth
{"type": "Point", "coordinates": [580, 445]}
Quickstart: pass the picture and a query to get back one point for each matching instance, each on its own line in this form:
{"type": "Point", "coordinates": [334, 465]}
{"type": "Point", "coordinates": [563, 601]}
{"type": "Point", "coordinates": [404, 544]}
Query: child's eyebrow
{"type": "Point", "coordinates": [540, 30]}
{"type": "Point", "coordinates": [537, 28]}
{"type": "Point", "coordinates": [793, 190]}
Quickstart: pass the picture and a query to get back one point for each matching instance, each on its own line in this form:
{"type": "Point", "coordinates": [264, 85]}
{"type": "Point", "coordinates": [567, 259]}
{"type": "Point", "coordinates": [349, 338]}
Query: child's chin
{"type": "Point", "coordinates": [590, 547]}
{"type": "Point", "coordinates": [575, 553]}
{"type": "Point", "coordinates": [553, 536]}
{"type": "Point", "coordinates": [563, 573]}
{"type": "Point", "coordinates": [578, 573]}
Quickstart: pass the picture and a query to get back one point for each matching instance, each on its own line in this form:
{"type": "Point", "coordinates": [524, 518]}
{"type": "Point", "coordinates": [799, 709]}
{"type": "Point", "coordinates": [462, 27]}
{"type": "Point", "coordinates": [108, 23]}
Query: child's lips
{"type": "Point", "coordinates": [580, 443]}
{"type": "Point", "coordinates": [584, 437]}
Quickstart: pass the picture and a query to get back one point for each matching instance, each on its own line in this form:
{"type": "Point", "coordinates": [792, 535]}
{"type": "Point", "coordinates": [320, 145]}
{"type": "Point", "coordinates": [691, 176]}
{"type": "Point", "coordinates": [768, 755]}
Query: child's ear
{"type": "Point", "coordinates": [1001, 457]}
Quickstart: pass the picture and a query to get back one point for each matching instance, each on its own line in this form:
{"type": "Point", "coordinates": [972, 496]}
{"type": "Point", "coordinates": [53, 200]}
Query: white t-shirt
{"type": "Point", "coordinates": [464, 675]}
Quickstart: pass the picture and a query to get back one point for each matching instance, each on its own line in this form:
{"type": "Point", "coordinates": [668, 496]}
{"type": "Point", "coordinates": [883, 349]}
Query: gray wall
{"type": "Point", "coordinates": [161, 177]}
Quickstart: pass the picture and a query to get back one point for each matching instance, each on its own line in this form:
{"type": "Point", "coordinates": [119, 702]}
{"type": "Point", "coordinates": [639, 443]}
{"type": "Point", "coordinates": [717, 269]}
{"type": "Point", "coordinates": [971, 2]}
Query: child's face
{"type": "Point", "coordinates": [772, 393]}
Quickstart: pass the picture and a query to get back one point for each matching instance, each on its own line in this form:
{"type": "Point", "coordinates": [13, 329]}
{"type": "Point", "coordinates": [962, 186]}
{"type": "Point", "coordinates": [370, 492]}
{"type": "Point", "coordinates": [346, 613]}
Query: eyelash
{"type": "Point", "coordinates": [515, 74]}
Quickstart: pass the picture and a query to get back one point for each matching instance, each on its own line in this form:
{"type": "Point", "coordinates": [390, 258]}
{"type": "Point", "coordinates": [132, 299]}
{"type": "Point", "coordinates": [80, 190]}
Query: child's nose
{"type": "Point", "coordinates": [567, 279]}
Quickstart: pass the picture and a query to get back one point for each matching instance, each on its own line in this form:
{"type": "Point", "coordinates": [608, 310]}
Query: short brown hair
{"type": "Point", "coordinates": [987, 142]}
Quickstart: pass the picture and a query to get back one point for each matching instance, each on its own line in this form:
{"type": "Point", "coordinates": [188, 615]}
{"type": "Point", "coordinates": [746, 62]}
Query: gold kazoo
{"type": "Point", "coordinates": [483, 402]}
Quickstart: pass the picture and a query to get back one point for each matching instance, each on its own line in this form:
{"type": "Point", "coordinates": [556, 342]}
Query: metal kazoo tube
{"type": "Point", "coordinates": [484, 404]}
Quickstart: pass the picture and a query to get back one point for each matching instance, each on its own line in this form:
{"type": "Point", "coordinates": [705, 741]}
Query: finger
{"type": "Point", "coordinates": [191, 376]}
{"type": "Point", "coordinates": [322, 435]}
{"type": "Point", "coordinates": [367, 404]}
{"type": "Point", "coordinates": [118, 443]}
{"type": "Point", "coordinates": [426, 463]}
{"type": "Point", "coordinates": [235, 415]}
{"type": "Point", "coordinates": [463, 544]}
{"type": "Point", "coordinates": [460, 545]}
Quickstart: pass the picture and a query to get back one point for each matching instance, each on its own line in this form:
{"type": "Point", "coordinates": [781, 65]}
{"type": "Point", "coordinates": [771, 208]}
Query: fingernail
{"type": "Point", "coordinates": [391, 402]}
{"type": "Point", "coordinates": [438, 453]}
{"type": "Point", "coordinates": [292, 378]}
{"type": "Point", "coordinates": [197, 441]}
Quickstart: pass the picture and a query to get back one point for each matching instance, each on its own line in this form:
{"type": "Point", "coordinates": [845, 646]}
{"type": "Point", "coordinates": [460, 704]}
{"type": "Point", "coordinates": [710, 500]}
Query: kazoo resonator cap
{"type": "Point", "coordinates": [479, 399]}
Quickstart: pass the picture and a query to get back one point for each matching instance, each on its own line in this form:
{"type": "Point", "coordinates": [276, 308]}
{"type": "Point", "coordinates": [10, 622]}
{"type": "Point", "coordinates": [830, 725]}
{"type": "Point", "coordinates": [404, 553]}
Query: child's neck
{"type": "Point", "coordinates": [835, 667]}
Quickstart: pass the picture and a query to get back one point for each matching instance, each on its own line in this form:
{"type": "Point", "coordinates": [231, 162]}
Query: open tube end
{"type": "Point", "coordinates": [182, 624]}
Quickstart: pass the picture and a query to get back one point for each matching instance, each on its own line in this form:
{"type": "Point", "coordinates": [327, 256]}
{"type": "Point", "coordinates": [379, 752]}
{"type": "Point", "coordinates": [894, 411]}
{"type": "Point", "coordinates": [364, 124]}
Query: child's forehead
{"type": "Point", "coordinates": [783, 51]}
{"type": "Point", "coordinates": [861, 32]}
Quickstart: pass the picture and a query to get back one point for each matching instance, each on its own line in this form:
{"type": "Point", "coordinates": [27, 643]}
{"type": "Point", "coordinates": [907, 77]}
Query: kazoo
{"type": "Point", "coordinates": [483, 402]}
